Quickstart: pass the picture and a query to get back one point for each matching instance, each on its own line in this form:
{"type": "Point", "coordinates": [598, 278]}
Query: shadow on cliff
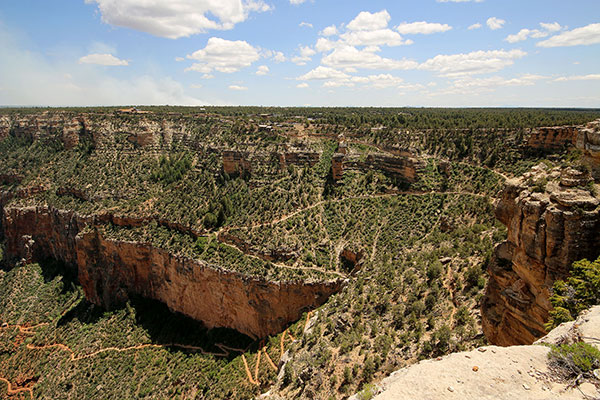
{"type": "Point", "coordinates": [163, 326]}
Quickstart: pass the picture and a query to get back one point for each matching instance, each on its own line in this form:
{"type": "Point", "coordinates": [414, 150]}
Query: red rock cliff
{"type": "Point", "coordinates": [111, 270]}
{"type": "Point", "coordinates": [548, 229]}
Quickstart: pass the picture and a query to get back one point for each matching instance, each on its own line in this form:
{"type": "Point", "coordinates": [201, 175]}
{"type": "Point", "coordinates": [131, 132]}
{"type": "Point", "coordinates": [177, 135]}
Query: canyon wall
{"type": "Point", "coordinates": [585, 138]}
{"type": "Point", "coordinates": [111, 270]}
{"type": "Point", "coordinates": [552, 222]}
{"type": "Point", "coordinates": [403, 167]}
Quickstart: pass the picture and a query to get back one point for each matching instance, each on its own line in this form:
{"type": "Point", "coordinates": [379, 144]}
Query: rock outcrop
{"type": "Point", "coordinates": [111, 270]}
{"type": "Point", "coordinates": [588, 141]}
{"type": "Point", "coordinates": [551, 223]}
{"type": "Point", "coordinates": [402, 167]}
{"type": "Point", "coordinates": [518, 372]}
{"type": "Point", "coordinates": [586, 138]}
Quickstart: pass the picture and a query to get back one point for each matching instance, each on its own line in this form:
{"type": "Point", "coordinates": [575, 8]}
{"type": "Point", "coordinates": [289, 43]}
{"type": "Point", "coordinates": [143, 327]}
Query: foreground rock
{"type": "Point", "coordinates": [553, 219]}
{"type": "Point", "coordinates": [518, 372]}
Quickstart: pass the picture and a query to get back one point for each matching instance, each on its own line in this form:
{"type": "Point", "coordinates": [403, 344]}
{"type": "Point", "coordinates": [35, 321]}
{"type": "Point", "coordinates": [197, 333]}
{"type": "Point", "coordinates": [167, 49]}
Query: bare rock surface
{"type": "Point", "coordinates": [491, 372]}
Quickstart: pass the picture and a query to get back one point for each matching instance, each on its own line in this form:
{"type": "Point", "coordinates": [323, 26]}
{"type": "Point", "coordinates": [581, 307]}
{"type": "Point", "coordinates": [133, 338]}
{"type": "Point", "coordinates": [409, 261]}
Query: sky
{"type": "Point", "coordinates": [439, 53]}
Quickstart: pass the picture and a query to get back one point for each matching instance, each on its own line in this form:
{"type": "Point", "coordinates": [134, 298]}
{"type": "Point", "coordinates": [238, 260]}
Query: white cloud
{"type": "Point", "coordinates": [586, 35]}
{"type": "Point", "coordinates": [321, 73]}
{"type": "Point", "coordinates": [329, 31]}
{"type": "Point", "coordinates": [208, 76]}
{"type": "Point", "coordinates": [306, 24]}
{"type": "Point", "coordinates": [523, 34]}
{"type": "Point", "coordinates": [277, 56]}
{"type": "Point", "coordinates": [422, 27]}
{"type": "Point", "coordinates": [237, 87]}
{"type": "Point", "coordinates": [296, 2]}
{"type": "Point", "coordinates": [306, 53]}
{"type": "Point", "coordinates": [103, 59]}
{"type": "Point", "coordinates": [351, 57]}
{"type": "Point", "coordinates": [551, 27]}
{"type": "Point", "coordinates": [302, 85]}
{"type": "Point", "coordinates": [474, 26]}
{"type": "Point", "coordinates": [180, 18]}
{"type": "Point", "coordinates": [262, 70]}
{"type": "Point", "coordinates": [477, 62]}
{"type": "Point", "coordinates": [223, 56]}
{"type": "Point", "coordinates": [366, 21]}
{"type": "Point", "coordinates": [196, 86]}
{"type": "Point", "coordinates": [179, 59]}
{"type": "Point", "coordinates": [379, 37]}
{"type": "Point", "coordinates": [469, 85]}
{"type": "Point", "coordinates": [495, 23]}
{"type": "Point", "coordinates": [591, 77]}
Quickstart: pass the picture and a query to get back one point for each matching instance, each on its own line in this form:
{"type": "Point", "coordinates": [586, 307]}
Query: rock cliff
{"type": "Point", "coordinates": [110, 271]}
{"type": "Point", "coordinates": [585, 138]}
{"type": "Point", "coordinates": [518, 372]}
{"type": "Point", "coordinates": [553, 219]}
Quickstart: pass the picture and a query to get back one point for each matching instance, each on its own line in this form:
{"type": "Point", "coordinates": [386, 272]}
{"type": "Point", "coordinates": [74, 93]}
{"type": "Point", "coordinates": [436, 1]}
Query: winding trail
{"type": "Point", "coordinates": [13, 391]}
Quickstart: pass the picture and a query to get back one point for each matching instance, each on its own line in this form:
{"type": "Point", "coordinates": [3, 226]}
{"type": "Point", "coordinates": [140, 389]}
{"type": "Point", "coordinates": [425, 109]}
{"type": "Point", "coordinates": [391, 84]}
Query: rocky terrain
{"type": "Point", "coordinates": [553, 219]}
{"type": "Point", "coordinates": [492, 372]}
{"type": "Point", "coordinates": [334, 245]}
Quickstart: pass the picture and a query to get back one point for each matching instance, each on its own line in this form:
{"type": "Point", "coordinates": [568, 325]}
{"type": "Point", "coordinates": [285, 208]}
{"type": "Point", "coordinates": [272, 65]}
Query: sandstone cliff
{"type": "Point", "coordinates": [518, 372]}
{"type": "Point", "coordinates": [111, 270]}
{"type": "Point", "coordinates": [585, 138]}
{"type": "Point", "coordinates": [552, 220]}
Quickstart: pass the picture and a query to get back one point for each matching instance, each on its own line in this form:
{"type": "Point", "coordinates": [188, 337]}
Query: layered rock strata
{"type": "Point", "coordinates": [111, 270]}
{"type": "Point", "coordinates": [552, 221]}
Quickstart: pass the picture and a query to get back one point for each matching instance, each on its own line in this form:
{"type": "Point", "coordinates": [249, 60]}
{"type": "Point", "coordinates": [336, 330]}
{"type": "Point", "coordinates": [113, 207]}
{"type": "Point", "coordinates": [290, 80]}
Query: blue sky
{"type": "Point", "coordinates": [291, 52]}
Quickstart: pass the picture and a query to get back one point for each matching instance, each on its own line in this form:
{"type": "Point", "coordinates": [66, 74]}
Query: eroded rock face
{"type": "Point", "coordinates": [547, 232]}
{"type": "Point", "coordinates": [402, 167]}
{"type": "Point", "coordinates": [588, 141]}
{"type": "Point", "coordinates": [111, 270]}
{"type": "Point", "coordinates": [586, 138]}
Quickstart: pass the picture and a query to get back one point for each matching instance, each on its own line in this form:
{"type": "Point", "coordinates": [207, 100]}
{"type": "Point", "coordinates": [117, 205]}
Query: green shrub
{"type": "Point", "coordinates": [369, 391]}
{"type": "Point", "coordinates": [579, 292]}
{"type": "Point", "coordinates": [574, 360]}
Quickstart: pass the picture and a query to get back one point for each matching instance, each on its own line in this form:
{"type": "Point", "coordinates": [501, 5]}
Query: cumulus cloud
{"type": "Point", "coordinates": [366, 21]}
{"type": "Point", "coordinates": [237, 87]}
{"type": "Point", "coordinates": [180, 18]}
{"type": "Point", "coordinates": [476, 62]}
{"type": "Point", "coordinates": [474, 26]}
{"type": "Point", "coordinates": [296, 2]}
{"type": "Point", "coordinates": [302, 85]}
{"type": "Point", "coordinates": [262, 70]}
{"type": "Point", "coordinates": [586, 35]}
{"type": "Point", "coordinates": [305, 24]}
{"type": "Point", "coordinates": [378, 37]}
{"type": "Point", "coordinates": [524, 34]}
{"type": "Point", "coordinates": [367, 29]}
{"type": "Point", "coordinates": [103, 59]}
{"type": "Point", "coordinates": [321, 73]}
{"type": "Point", "coordinates": [591, 77]}
{"type": "Point", "coordinates": [224, 56]}
{"type": "Point", "coordinates": [306, 53]}
{"type": "Point", "coordinates": [495, 23]}
{"type": "Point", "coordinates": [329, 31]}
{"type": "Point", "coordinates": [351, 57]}
{"type": "Point", "coordinates": [422, 27]}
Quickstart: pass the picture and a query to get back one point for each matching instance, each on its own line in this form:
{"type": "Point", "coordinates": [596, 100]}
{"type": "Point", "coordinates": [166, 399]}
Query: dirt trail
{"type": "Point", "coordinates": [16, 390]}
